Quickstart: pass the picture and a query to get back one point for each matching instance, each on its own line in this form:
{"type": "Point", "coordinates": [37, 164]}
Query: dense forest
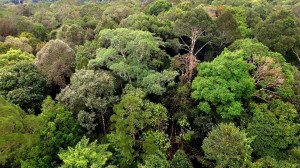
{"type": "Point", "coordinates": [150, 84]}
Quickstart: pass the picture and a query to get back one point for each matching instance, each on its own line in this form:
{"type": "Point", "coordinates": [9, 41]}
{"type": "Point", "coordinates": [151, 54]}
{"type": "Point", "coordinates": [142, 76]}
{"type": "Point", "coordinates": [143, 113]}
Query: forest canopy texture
{"type": "Point", "coordinates": [149, 83]}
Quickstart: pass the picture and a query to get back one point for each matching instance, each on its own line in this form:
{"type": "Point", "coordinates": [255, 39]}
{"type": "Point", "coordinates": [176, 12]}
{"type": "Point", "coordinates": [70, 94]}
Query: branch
{"type": "Point", "coordinates": [297, 55]}
{"type": "Point", "coordinates": [185, 44]}
{"type": "Point", "coordinates": [202, 47]}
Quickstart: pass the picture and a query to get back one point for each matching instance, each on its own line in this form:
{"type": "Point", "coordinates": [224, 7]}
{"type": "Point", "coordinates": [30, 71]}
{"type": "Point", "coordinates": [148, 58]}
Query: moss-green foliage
{"type": "Point", "coordinates": [4, 47]}
{"type": "Point", "coordinates": [18, 133]}
{"type": "Point", "coordinates": [240, 15]}
{"type": "Point", "coordinates": [134, 114]}
{"type": "Point", "coordinates": [227, 29]}
{"type": "Point", "coordinates": [86, 52]}
{"type": "Point", "coordinates": [90, 92]}
{"type": "Point", "coordinates": [180, 159]}
{"type": "Point", "coordinates": [24, 86]}
{"type": "Point", "coordinates": [271, 162]}
{"type": "Point", "coordinates": [280, 32]}
{"type": "Point", "coordinates": [58, 131]}
{"type": "Point", "coordinates": [72, 35]}
{"type": "Point", "coordinates": [134, 56]}
{"type": "Point", "coordinates": [279, 120]}
{"type": "Point", "coordinates": [149, 23]}
{"type": "Point", "coordinates": [159, 6]}
{"type": "Point", "coordinates": [228, 146]}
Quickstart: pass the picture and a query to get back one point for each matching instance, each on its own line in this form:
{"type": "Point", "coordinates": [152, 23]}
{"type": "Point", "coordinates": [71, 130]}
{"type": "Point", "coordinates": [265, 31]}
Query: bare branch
{"type": "Point", "coordinates": [202, 47]}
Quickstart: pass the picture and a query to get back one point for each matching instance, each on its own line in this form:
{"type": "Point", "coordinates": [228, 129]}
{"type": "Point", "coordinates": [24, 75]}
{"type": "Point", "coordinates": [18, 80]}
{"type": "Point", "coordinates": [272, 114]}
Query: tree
{"type": "Point", "coordinates": [4, 47]}
{"type": "Point", "coordinates": [18, 132]}
{"type": "Point", "coordinates": [8, 27]}
{"type": "Point", "coordinates": [242, 17]}
{"type": "Point", "coordinates": [71, 34]}
{"type": "Point", "coordinates": [46, 18]}
{"type": "Point", "coordinates": [90, 92]}
{"type": "Point", "coordinates": [58, 131]}
{"type": "Point", "coordinates": [24, 86]}
{"type": "Point", "coordinates": [55, 62]}
{"type": "Point", "coordinates": [157, 160]}
{"type": "Point", "coordinates": [12, 57]}
{"type": "Point", "coordinates": [228, 146]}
{"type": "Point", "coordinates": [191, 26]}
{"type": "Point", "coordinates": [32, 40]}
{"type": "Point", "coordinates": [180, 159]}
{"type": "Point", "coordinates": [113, 15]}
{"type": "Point", "coordinates": [280, 32]}
{"type": "Point", "coordinates": [159, 6]}
{"type": "Point", "coordinates": [149, 23]}
{"type": "Point", "coordinates": [223, 84]}
{"type": "Point", "coordinates": [227, 29]}
{"type": "Point", "coordinates": [134, 56]}
{"type": "Point", "coordinates": [273, 76]}
{"type": "Point", "coordinates": [86, 52]}
{"type": "Point", "coordinates": [229, 2]}
{"type": "Point", "coordinates": [132, 116]}
{"type": "Point", "coordinates": [271, 162]}
{"type": "Point", "coordinates": [21, 43]}
{"type": "Point", "coordinates": [85, 155]}
{"type": "Point", "coordinates": [277, 119]}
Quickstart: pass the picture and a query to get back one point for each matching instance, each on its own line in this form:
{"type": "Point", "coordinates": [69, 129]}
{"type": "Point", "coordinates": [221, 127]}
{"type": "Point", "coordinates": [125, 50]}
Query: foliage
{"type": "Point", "coordinates": [12, 57]}
{"type": "Point", "coordinates": [46, 18]}
{"type": "Point", "coordinates": [228, 146]}
{"type": "Point", "coordinates": [85, 154]}
{"type": "Point", "coordinates": [55, 62]}
{"type": "Point", "coordinates": [271, 162]}
{"type": "Point", "coordinates": [276, 119]}
{"type": "Point", "coordinates": [18, 132]}
{"type": "Point", "coordinates": [72, 35]}
{"type": "Point", "coordinates": [133, 115]}
{"type": "Point", "coordinates": [128, 54]}
{"type": "Point", "coordinates": [24, 86]}
{"type": "Point", "coordinates": [21, 43]}
{"type": "Point", "coordinates": [223, 84]}
{"type": "Point", "coordinates": [227, 28]}
{"type": "Point", "coordinates": [159, 6]}
{"type": "Point", "coordinates": [273, 76]}
{"type": "Point", "coordinates": [58, 131]}
{"type": "Point", "coordinates": [146, 81]}
{"type": "Point", "coordinates": [148, 23]}
{"type": "Point", "coordinates": [180, 159]}
{"type": "Point", "coordinates": [90, 92]}
{"type": "Point", "coordinates": [157, 160]}
{"type": "Point", "coordinates": [84, 53]}
{"type": "Point", "coordinates": [32, 40]}
{"type": "Point", "coordinates": [280, 32]}
{"type": "Point", "coordinates": [241, 16]}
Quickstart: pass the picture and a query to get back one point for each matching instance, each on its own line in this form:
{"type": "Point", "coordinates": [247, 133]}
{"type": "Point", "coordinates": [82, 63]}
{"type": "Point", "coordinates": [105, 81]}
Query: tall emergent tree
{"type": "Point", "coordinates": [55, 62]}
{"type": "Point", "coordinates": [191, 26]}
{"type": "Point", "coordinates": [89, 95]}
{"type": "Point", "coordinates": [135, 57]}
